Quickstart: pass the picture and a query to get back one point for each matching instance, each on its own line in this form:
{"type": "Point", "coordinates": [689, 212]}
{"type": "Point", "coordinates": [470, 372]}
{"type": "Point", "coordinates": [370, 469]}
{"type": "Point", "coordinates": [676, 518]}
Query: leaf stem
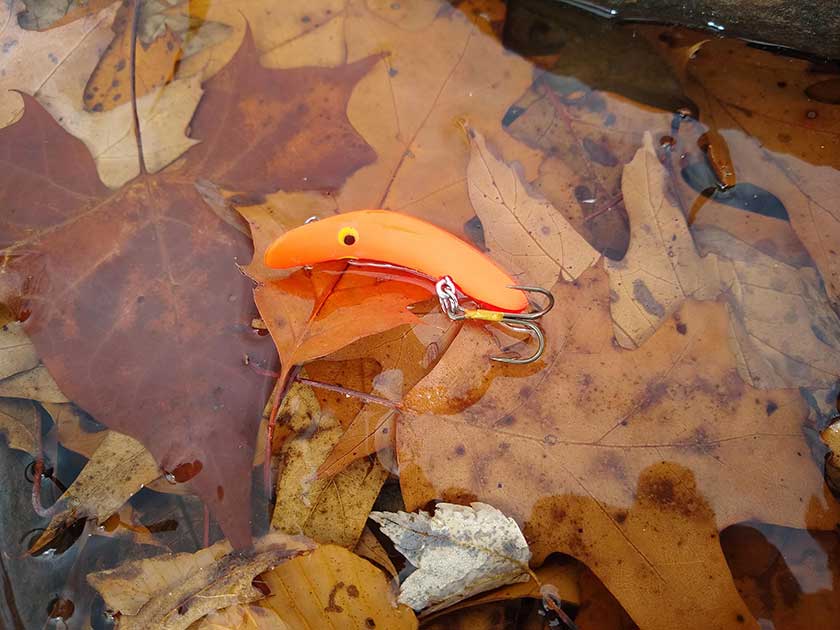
{"type": "Point", "coordinates": [132, 71]}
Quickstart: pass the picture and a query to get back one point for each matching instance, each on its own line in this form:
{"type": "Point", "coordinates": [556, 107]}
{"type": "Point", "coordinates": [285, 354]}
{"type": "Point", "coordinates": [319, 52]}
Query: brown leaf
{"type": "Point", "coordinates": [560, 448]}
{"type": "Point", "coordinates": [530, 237]}
{"type": "Point", "coordinates": [661, 268]}
{"type": "Point", "coordinates": [785, 575]}
{"type": "Point", "coordinates": [109, 85]}
{"type": "Point", "coordinates": [31, 61]}
{"type": "Point", "coordinates": [171, 591]}
{"type": "Point", "coordinates": [779, 136]}
{"type": "Point", "coordinates": [371, 549]}
{"type": "Point", "coordinates": [768, 299]}
{"type": "Point", "coordinates": [119, 468]}
{"type": "Point", "coordinates": [331, 587]}
{"type": "Point", "coordinates": [330, 511]}
{"type": "Point", "coordinates": [148, 291]}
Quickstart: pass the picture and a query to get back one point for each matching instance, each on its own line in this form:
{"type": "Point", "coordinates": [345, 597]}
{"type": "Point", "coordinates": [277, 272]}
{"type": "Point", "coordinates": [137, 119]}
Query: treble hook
{"type": "Point", "coordinates": [448, 297]}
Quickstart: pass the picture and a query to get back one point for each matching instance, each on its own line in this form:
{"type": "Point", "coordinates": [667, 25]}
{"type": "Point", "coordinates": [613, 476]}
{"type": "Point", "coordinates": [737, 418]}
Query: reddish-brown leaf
{"type": "Point", "coordinates": [134, 300]}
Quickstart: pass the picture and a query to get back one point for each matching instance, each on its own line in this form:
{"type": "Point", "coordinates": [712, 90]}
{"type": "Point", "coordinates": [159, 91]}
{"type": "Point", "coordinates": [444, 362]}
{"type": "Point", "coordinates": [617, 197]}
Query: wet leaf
{"type": "Point", "coordinates": [785, 575]}
{"type": "Point", "coordinates": [20, 424]}
{"type": "Point", "coordinates": [171, 591]}
{"type": "Point", "coordinates": [44, 14]}
{"type": "Point", "coordinates": [155, 62]}
{"type": "Point", "coordinates": [777, 134]}
{"type": "Point", "coordinates": [313, 313]}
{"type": "Point", "coordinates": [331, 587]}
{"type": "Point", "coordinates": [441, 65]}
{"type": "Point", "coordinates": [524, 233]}
{"type": "Point", "coordinates": [784, 331]}
{"type": "Point", "coordinates": [768, 299]}
{"type": "Point", "coordinates": [371, 549]}
{"type": "Point", "coordinates": [150, 270]}
{"type": "Point", "coordinates": [404, 357]}
{"type": "Point", "coordinates": [119, 468]}
{"type": "Point", "coordinates": [559, 576]}
{"type": "Point", "coordinates": [31, 60]}
{"type": "Point", "coordinates": [17, 354]}
{"type": "Point", "coordinates": [241, 617]}
{"type": "Point", "coordinates": [560, 448]}
{"type": "Point", "coordinates": [458, 552]}
{"type": "Point", "coordinates": [661, 267]}
{"type": "Point", "coordinates": [328, 510]}
{"type": "Point", "coordinates": [35, 384]}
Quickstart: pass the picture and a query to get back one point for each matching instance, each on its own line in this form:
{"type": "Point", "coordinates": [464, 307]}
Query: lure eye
{"type": "Point", "coordinates": [348, 236]}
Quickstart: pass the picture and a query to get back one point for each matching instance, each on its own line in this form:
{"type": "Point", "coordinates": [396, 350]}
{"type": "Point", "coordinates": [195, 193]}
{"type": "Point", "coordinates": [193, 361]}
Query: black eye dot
{"type": "Point", "coordinates": [349, 239]}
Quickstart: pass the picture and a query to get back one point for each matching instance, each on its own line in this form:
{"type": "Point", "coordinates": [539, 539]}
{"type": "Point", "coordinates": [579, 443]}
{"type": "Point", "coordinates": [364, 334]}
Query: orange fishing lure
{"type": "Point", "coordinates": [390, 237]}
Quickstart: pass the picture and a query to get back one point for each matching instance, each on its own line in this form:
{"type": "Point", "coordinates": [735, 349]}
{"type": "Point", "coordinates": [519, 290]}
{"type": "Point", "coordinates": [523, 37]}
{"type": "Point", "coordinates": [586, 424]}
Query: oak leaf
{"type": "Point", "coordinates": [561, 449]}
{"type": "Point", "coordinates": [524, 233]}
{"type": "Point", "coordinates": [328, 588]}
{"type": "Point", "coordinates": [332, 511]}
{"type": "Point", "coordinates": [142, 283]}
{"type": "Point", "coordinates": [170, 591]}
{"type": "Point", "coordinates": [780, 126]}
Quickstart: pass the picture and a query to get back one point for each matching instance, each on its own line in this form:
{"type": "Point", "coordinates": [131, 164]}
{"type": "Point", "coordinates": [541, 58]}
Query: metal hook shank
{"type": "Point", "coordinates": [448, 297]}
{"type": "Point", "coordinates": [535, 330]}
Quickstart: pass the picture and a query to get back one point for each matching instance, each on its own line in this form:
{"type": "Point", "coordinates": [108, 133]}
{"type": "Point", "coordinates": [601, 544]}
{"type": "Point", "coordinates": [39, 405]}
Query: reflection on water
{"type": "Point", "coordinates": [667, 445]}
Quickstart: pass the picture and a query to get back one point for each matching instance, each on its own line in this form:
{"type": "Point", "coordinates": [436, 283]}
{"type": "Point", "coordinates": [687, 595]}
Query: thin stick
{"type": "Point", "coordinates": [132, 71]}
{"type": "Point", "coordinates": [377, 400]}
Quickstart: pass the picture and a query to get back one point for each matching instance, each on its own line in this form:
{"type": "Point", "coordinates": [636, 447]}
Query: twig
{"type": "Point", "coordinates": [377, 400]}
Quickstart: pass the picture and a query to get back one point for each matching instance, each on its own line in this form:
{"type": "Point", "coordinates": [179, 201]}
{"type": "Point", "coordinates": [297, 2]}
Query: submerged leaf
{"type": "Point", "coordinates": [560, 449]}
{"type": "Point", "coordinates": [20, 424]}
{"type": "Point", "coordinates": [527, 235]}
{"type": "Point", "coordinates": [171, 591]}
{"type": "Point", "coordinates": [458, 552]}
{"type": "Point", "coordinates": [141, 285]}
{"type": "Point", "coordinates": [332, 587]}
{"type": "Point", "coordinates": [328, 511]}
{"type": "Point", "coordinates": [661, 268]}
{"type": "Point", "coordinates": [119, 468]}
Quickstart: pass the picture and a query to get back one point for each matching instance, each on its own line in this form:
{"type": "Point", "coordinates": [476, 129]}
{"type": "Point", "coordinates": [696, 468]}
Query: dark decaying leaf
{"type": "Point", "coordinates": [134, 299]}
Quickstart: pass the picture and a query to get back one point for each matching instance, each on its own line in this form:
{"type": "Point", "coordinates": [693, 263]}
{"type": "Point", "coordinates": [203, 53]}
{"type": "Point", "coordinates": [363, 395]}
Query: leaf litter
{"type": "Point", "coordinates": [629, 457]}
{"type": "Point", "coordinates": [458, 552]}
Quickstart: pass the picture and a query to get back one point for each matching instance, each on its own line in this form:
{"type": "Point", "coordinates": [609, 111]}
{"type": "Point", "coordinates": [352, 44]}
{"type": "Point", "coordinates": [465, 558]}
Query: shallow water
{"type": "Point", "coordinates": [666, 458]}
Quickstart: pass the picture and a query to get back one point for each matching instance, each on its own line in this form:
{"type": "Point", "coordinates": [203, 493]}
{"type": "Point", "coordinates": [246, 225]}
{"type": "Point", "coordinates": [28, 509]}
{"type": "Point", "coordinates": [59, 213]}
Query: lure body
{"type": "Point", "coordinates": [399, 239]}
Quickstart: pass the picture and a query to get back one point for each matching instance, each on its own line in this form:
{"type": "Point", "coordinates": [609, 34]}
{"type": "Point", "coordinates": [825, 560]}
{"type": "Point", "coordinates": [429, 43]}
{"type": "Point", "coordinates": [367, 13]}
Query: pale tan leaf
{"type": "Point", "coordinates": [458, 552]}
{"type": "Point", "coordinates": [35, 384]}
{"type": "Point", "coordinates": [662, 267]}
{"type": "Point", "coordinates": [164, 115]}
{"type": "Point", "coordinates": [119, 468]}
{"type": "Point", "coordinates": [171, 591]}
{"type": "Point", "coordinates": [526, 234]}
{"type": "Point", "coordinates": [241, 617]}
{"type": "Point", "coordinates": [328, 510]}
{"type": "Point", "coordinates": [30, 60]}
{"type": "Point", "coordinates": [17, 354]}
{"type": "Point", "coordinates": [19, 424]}
{"type": "Point", "coordinates": [333, 588]}
{"type": "Point", "coordinates": [784, 332]}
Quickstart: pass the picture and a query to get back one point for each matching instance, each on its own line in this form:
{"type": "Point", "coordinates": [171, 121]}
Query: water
{"type": "Point", "coordinates": [674, 188]}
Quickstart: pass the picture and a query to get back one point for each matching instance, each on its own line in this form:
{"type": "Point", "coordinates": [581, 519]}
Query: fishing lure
{"type": "Point", "coordinates": [383, 236]}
